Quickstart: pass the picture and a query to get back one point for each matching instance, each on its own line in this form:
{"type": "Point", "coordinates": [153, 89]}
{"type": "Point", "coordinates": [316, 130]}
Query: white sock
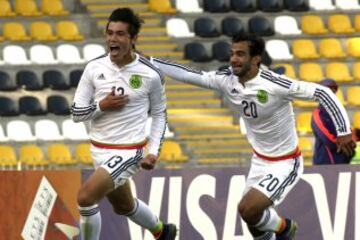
{"type": "Point", "coordinates": [143, 216]}
{"type": "Point", "coordinates": [270, 221]}
{"type": "Point", "coordinates": [266, 236]}
{"type": "Point", "coordinates": [90, 222]}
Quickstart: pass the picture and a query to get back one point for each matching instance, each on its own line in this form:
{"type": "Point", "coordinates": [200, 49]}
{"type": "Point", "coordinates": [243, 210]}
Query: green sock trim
{"type": "Point", "coordinates": [158, 228]}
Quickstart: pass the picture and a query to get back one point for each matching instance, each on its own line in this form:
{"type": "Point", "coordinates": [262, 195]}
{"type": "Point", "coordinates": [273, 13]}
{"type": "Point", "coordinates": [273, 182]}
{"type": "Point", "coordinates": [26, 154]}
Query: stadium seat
{"type": "Point", "coordinates": [7, 156]}
{"type": "Point", "coordinates": [270, 5]}
{"type": "Point", "coordinates": [42, 31]}
{"type": "Point", "coordinates": [260, 26]}
{"type": "Point", "coordinates": [231, 25]}
{"type": "Point", "coordinates": [340, 96]}
{"type": "Point", "coordinates": [28, 80]}
{"type": "Point", "coordinates": [8, 107]}
{"type": "Point", "coordinates": [74, 131]}
{"type": "Point", "coordinates": [83, 154]}
{"type": "Point", "coordinates": [353, 47]}
{"type": "Point", "coordinates": [188, 6]}
{"type": "Point", "coordinates": [171, 152]}
{"type": "Point", "coordinates": [289, 69]}
{"type": "Point", "coordinates": [55, 80]}
{"type": "Point", "coordinates": [75, 76]}
{"type": "Point", "coordinates": [313, 24]}
{"type": "Point", "coordinates": [31, 155]}
{"type": "Point", "coordinates": [42, 54]}
{"type": "Point", "coordinates": [68, 31]}
{"type": "Point", "coordinates": [53, 8]}
{"type": "Point", "coordinates": [205, 27]}
{"type": "Point", "coordinates": [178, 28]}
{"type": "Point", "coordinates": [347, 4]}
{"type": "Point", "coordinates": [27, 8]}
{"type": "Point", "coordinates": [278, 50]}
{"type": "Point", "coordinates": [68, 54]}
{"type": "Point", "coordinates": [286, 25]}
{"type": "Point", "coordinates": [296, 5]}
{"type": "Point", "coordinates": [303, 122]}
{"type": "Point", "coordinates": [6, 83]}
{"type": "Point", "coordinates": [5, 9]}
{"type": "Point", "coordinates": [305, 146]}
{"type": "Point", "coordinates": [3, 138]}
{"type": "Point", "coordinates": [331, 48]}
{"type": "Point", "coordinates": [243, 6]}
{"type": "Point", "coordinates": [47, 130]}
{"type": "Point", "coordinates": [356, 120]}
{"type": "Point", "coordinates": [221, 51]}
{"type": "Point", "coordinates": [19, 131]}
{"type": "Point", "coordinates": [30, 106]}
{"type": "Point", "coordinates": [92, 51]}
{"type": "Point", "coordinates": [58, 105]}
{"type": "Point", "coordinates": [15, 55]}
{"type": "Point", "coordinates": [356, 71]}
{"type": "Point", "coordinates": [353, 94]}
{"type": "Point", "coordinates": [340, 23]}
{"type": "Point", "coordinates": [14, 31]}
{"type": "Point", "coordinates": [357, 23]}
{"type": "Point", "coordinates": [215, 6]}
{"type": "Point", "coordinates": [310, 72]}
{"type": "Point", "coordinates": [161, 6]}
{"type": "Point", "coordinates": [196, 52]}
{"type": "Point", "coordinates": [304, 49]}
{"type": "Point", "coordinates": [321, 5]}
{"type": "Point", "coordinates": [338, 71]}
{"type": "Point", "coordinates": [60, 154]}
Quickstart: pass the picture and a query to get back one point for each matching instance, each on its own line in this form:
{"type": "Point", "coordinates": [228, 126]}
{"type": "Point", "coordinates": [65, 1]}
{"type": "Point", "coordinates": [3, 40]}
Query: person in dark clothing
{"type": "Point", "coordinates": [326, 149]}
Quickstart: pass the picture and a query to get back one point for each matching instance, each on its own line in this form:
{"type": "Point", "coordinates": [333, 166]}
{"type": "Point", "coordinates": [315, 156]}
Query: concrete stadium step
{"type": "Point", "coordinates": [86, 2]}
{"type": "Point", "coordinates": [208, 129]}
{"type": "Point", "coordinates": [223, 160]}
{"type": "Point", "coordinates": [153, 31]}
{"type": "Point", "coordinates": [108, 7]}
{"type": "Point", "coordinates": [172, 85]}
{"type": "Point", "coordinates": [157, 47]}
{"type": "Point", "coordinates": [174, 54]}
{"type": "Point", "coordinates": [190, 95]}
{"type": "Point", "coordinates": [217, 143]}
{"type": "Point", "coordinates": [204, 119]}
{"type": "Point", "coordinates": [148, 22]}
{"type": "Point", "coordinates": [216, 151]}
{"type": "Point", "coordinates": [106, 14]}
{"type": "Point", "coordinates": [209, 136]}
{"type": "Point", "coordinates": [152, 39]}
{"type": "Point", "coordinates": [198, 103]}
{"type": "Point", "coordinates": [194, 111]}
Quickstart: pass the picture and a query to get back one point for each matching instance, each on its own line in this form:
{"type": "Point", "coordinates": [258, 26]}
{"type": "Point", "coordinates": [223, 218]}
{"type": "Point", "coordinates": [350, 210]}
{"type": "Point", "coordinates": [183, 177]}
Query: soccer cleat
{"type": "Point", "coordinates": [289, 231]}
{"type": "Point", "coordinates": [169, 232]}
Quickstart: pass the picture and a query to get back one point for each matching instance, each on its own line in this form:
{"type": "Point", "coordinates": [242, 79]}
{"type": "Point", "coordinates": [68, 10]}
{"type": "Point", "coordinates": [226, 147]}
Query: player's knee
{"type": "Point", "coordinates": [247, 212]}
{"type": "Point", "coordinates": [123, 209]}
{"type": "Point", "coordinates": [84, 198]}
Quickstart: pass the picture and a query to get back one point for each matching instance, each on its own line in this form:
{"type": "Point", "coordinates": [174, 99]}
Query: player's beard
{"type": "Point", "coordinates": [243, 70]}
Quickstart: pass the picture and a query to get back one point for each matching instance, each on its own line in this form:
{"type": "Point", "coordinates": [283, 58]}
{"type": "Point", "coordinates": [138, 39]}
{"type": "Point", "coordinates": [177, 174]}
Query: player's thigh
{"type": "Point", "coordinates": [122, 199]}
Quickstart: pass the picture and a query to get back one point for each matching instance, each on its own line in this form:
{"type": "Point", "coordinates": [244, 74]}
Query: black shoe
{"type": "Point", "coordinates": [169, 232]}
{"type": "Point", "coordinates": [289, 231]}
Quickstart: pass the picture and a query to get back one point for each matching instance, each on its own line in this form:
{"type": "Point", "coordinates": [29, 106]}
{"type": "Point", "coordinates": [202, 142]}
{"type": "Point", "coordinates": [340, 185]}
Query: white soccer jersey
{"type": "Point", "coordinates": [264, 102]}
{"type": "Point", "coordinates": [142, 82]}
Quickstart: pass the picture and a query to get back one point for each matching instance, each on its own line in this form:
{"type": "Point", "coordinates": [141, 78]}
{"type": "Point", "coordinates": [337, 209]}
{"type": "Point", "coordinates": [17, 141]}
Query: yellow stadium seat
{"type": "Point", "coordinates": [289, 69]}
{"type": "Point", "coordinates": [41, 31]}
{"type": "Point", "coordinates": [313, 24]}
{"type": "Point", "coordinates": [340, 23]}
{"type": "Point", "coordinates": [5, 9]}
{"type": "Point", "coordinates": [32, 155]}
{"type": "Point", "coordinates": [68, 30]}
{"type": "Point", "coordinates": [356, 120]}
{"type": "Point", "coordinates": [303, 122]}
{"type": "Point", "coordinates": [338, 71]}
{"type": "Point", "coordinates": [7, 156]}
{"type": "Point", "coordinates": [53, 8]}
{"type": "Point", "coordinates": [353, 47]}
{"type": "Point", "coordinates": [305, 146]}
{"type": "Point", "coordinates": [331, 48]}
{"type": "Point", "coordinates": [340, 96]}
{"type": "Point", "coordinates": [357, 23]}
{"type": "Point", "coordinates": [171, 152]}
{"type": "Point", "coordinates": [27, 8]}
{"type": "Point", "coordinates": [310, 72]}
{"type": "Point", "coordinates": [305, 49]}
{"type": "Point", "coordinates": [305, 104]}
{"type": "Point", "coordinates": [14, 31]}
{"type": "Point", "coordinates": [60, 154]}
{"type": "Point", "coordinates": [83, 154]}
{"type": "Point", "coordinates": [353, 94]}
{"type": "Point", "coordinates": [356, 70]}
{"type": "Point", "coordinates": [161, 6]}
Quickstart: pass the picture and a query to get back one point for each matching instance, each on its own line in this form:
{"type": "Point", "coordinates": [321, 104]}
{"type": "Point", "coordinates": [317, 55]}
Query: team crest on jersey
{"type": "Point", "coordinates": [135, 81]}
{"type": "Point", "coordinates": [262, 96]}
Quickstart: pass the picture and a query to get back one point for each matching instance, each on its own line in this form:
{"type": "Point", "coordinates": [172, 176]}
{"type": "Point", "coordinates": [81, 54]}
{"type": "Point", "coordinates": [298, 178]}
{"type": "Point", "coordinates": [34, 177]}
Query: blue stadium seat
{"type": "Point", "coordinates": [58, 105]}
{"type": "Point", "coordinates": [75, 76]}
{"type": "Point", "coordinates": [205, 27]}
{"type": "Point", "coordinates": [8, 107]}
{"type": "Point", "coordinates": [231, 25]}
{"type": "Point", "coordinates": [30, 106]}
{"type": "Point", "coordinates": [196, 52]}
{"type": "Point", "coordinates": [28, 80]}
{"type": "Point", "coordinates": [55, 80]}
{"type": "Point", "coordinates": [243, 5]}
{"type": "Point", "coordinates": [221, 51]}
{"type": "Point", "coordinates": [215, 6]}
{"type": "Point", "coordinates": [260, 26]}
{"type": "Point", "coordinates": [6, 84]}
{"type": "Point", "coordinates": [270, 5]}
{"type": "Point", "coordinates": [297, 5]}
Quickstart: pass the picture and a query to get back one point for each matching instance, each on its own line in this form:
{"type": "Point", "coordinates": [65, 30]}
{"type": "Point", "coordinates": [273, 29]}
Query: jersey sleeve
{"type": "Point", "coordinates": [84, 107]}
{"type": "Point", "coordinates": [294, 89]}
{"type": "Point", "coordinates": [181, 73]}
{"type": "Point", "coordinates": [158, 114]}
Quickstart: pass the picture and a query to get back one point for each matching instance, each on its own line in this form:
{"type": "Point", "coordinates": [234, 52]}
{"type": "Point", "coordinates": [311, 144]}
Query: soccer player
{"type": "Point", "coordinates": [116, 92]}
{"type": "Point", "coordinates": [263, 98]}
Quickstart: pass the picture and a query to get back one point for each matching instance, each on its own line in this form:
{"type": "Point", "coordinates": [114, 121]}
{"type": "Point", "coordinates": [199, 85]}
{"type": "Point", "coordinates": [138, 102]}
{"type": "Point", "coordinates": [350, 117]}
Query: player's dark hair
{"type": "Point", "coordinates": [256, 43]}
{"type": "Point", "coordinates": [128, 16]}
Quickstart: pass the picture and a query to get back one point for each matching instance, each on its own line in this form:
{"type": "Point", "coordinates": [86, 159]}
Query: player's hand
{"type": "Point", "coordinates": [148, 162]}
{"type": "Point", "coordinates": [113, 102]}
{"type": "Point", "coordinates": [346, 145]}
